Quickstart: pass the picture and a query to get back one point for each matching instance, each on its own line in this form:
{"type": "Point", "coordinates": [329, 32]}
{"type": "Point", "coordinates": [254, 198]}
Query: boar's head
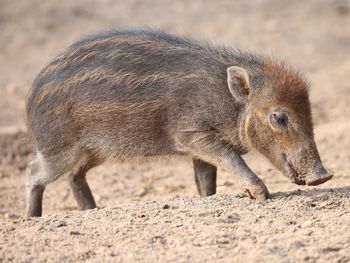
{"type": "Point", "coordinates": [277, 120]}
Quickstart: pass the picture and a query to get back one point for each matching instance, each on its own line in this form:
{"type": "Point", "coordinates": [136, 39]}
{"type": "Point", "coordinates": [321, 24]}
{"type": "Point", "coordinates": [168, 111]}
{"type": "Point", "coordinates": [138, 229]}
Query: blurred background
{"type": "Point", "coordinates": [305, 223]}
{"type": "Point", "coordinates": [313, 36]}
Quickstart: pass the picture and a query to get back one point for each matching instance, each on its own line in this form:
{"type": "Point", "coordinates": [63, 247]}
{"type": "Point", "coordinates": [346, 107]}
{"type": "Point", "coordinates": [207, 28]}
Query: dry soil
{"type": "Point", "coordinates": [150, 211]}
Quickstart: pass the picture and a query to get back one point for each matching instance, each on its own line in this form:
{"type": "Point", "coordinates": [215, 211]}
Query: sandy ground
{"type": "Point", "coordinates": [150, 211]}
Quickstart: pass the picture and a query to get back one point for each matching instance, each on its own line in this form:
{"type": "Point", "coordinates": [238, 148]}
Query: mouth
{"type": "Point", "coordinates": [293, 173]}
{"type": "Point", "coordinates": [319, 176]}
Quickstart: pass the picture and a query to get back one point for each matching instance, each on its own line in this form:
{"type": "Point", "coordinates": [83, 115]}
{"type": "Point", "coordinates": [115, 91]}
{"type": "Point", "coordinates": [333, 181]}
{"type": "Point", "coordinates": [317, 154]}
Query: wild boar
{"type": "Point", "coordinates": [137, 93]}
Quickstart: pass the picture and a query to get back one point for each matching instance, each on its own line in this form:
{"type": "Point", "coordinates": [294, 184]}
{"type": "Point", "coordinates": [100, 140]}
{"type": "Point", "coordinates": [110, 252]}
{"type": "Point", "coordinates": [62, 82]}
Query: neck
{"type": "Point", "coordinates": [243, 128]}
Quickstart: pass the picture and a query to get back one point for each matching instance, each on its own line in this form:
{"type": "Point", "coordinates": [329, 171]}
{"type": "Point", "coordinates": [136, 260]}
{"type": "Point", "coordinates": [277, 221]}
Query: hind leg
{"type": "Point", "coordinates": [80, 187]}
{"type": "Point", "coordinates": [35, 190]}
{"type": "Point", "coordinates": [41, 172]}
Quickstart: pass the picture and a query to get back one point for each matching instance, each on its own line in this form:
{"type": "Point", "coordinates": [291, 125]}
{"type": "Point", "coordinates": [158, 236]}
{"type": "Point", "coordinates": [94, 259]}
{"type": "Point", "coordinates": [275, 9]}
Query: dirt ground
{"type": "Point", "coordinates": [150, 211]}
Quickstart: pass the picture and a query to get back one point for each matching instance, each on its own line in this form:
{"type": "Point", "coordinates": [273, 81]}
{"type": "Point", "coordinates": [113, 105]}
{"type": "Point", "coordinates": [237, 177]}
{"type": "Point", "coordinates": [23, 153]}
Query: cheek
{"type": "Point", "coordinates": [261, 136]}
{"type": "Point", "coordinates": [267, 140]}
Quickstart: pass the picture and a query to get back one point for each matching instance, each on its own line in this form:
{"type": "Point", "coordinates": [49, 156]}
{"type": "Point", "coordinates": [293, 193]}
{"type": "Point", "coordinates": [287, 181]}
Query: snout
{"type": "Point", "coordinates": [319, 180]}
{"type": "Point", "coordinates": [318, 176]}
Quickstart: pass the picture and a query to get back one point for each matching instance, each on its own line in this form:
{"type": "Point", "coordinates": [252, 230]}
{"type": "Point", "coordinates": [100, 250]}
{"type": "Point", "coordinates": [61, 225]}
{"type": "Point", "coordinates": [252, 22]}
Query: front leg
{"type": "Point", "coordinates": [220, 153]}
{"type": "Point", "coordinates": [205, 176]}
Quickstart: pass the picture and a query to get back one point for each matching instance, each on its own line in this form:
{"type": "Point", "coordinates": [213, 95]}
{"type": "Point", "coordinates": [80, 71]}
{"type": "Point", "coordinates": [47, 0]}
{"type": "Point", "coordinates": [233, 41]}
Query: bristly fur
{"type": "Point", "coordinates": [145, 93]}
{"type": "Point", "coordinates": [101, 76]}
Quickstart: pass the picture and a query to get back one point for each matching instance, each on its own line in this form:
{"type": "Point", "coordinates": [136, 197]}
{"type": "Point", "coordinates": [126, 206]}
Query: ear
{"type": "Point", "coordinates": [238, 83]}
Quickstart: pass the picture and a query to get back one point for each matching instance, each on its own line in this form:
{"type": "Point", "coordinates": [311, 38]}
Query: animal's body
{"type": "Point", "coordinates": [125, 94]}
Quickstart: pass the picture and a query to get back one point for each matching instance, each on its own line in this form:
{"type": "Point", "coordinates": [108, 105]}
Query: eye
{"type": "Point", "coordinates": [279, 118]}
